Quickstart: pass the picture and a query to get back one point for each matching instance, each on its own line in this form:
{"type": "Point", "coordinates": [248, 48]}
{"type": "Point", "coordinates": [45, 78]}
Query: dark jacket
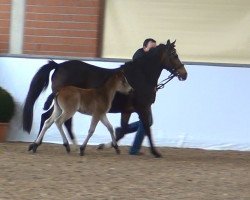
{"type": "Point", "coordinates": [138, 54]}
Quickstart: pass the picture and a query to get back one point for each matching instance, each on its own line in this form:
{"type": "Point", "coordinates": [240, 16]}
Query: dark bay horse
{"type": "Point", "coordinates": [94, 101]}
{"type": "Point", "coordinates": [142, 75]}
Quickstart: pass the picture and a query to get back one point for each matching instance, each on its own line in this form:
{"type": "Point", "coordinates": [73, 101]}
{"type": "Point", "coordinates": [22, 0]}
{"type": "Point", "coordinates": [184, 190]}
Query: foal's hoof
{"type": "Point", "coordinates": [100, 146]}
{"type": "Point", "coordinates": [116, 148]}
{"type": "Point", "coordinates": [33, 147]}
{"type": "Point", "coordinates": [67, 147]}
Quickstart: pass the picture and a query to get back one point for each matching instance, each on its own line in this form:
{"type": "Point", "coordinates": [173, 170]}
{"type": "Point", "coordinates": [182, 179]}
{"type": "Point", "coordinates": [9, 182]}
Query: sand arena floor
{"type": "Point", "coordinates": [51, 173]}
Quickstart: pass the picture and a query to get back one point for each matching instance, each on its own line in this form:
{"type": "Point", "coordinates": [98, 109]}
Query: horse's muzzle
{"type": "Point", "coordinates": [181, 73]}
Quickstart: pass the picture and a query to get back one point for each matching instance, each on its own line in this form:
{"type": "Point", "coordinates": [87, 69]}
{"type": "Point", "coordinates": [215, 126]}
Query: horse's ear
{"type": "Point", "coordinates": [173, 44]}
{"type": "Point", "coordinates": [168, 42]}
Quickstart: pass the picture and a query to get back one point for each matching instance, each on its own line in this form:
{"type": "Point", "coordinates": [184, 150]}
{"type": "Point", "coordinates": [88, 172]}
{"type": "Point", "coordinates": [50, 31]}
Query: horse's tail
{"type": "Point", "coordinates": [49, 101]}
{"type": "Point", "coordinates": [39, 83]}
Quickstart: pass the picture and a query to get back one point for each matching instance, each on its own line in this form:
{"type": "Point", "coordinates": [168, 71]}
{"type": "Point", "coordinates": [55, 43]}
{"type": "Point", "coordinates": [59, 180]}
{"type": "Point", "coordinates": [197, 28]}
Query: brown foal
{"type": "Point", "coordinates": [95, 102]}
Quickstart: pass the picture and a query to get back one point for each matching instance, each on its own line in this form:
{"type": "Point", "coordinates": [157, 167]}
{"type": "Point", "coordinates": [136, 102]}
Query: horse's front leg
{"type": "Point", "coordinates": [146, 118]}
{"type": "Point", "coordinates": [121, 131]}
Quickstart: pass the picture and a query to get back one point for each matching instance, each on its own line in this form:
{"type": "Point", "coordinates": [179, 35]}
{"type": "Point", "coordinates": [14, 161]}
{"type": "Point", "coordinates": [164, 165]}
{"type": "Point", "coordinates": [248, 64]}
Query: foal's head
{"type": "Point", "coordinates": [122, 84]}
{"type": "Point", "coordinates": [171, 61]}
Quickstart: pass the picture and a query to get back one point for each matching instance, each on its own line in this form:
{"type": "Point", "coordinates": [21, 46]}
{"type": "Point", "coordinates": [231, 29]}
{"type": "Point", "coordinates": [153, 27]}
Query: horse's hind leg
{"type": "Point", "coordinates": [93, 125]}
{"type": "Point", "coordinates": [106, 122]}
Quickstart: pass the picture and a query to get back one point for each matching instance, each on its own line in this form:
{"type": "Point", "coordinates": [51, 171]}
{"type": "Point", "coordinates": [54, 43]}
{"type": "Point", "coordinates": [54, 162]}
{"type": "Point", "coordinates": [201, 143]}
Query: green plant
{"type": "Point", "coordinates": [7, 106]}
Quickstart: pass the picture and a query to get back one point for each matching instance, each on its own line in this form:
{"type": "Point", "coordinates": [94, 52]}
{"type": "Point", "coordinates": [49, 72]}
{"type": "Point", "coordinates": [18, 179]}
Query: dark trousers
{"type": "Point", "coordinates": [133, 127]}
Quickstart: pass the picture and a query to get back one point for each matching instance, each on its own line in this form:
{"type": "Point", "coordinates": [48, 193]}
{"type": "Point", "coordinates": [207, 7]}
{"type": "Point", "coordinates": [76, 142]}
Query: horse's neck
{"type": "Point", "coordinates": [145, 73]}
{"type": "Point", "coordinates": [152, 66]}
{"type": "Point", "coordinates": [153, 75]}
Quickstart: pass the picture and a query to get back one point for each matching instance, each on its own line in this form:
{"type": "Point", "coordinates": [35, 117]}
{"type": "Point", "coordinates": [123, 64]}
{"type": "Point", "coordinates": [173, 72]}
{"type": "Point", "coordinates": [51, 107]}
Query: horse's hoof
{"type": "Point", "coordinates": [118, 151]}
{"type": "Point", "coordinates": [100, 146]}
{"type": "Point", "coordinates": [67, 147]}
{"type": "Point", "coordinates": [82, 151]}
{"type": "Point", "coordinates": [157, 155]}
{"type": "Point", "coordinates": [30, 147]}
{"type": "Point", "coordinates": [33, 147]}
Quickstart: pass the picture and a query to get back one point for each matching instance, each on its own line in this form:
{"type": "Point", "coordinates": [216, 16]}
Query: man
{"type": "Point", "coordinates": [137, 126]}
{"type": "Point", "coordinates": [147, 45]}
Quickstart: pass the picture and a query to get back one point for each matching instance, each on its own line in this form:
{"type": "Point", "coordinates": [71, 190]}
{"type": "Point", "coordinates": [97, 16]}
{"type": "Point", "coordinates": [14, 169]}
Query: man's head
{"type": "Point", "coordinates": [148, 44]}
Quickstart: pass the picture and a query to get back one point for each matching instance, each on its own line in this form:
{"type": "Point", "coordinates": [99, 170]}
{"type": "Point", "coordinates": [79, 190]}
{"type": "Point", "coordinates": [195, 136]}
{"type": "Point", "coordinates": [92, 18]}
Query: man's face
{"type": "Point", "coordinates": [149, 46]}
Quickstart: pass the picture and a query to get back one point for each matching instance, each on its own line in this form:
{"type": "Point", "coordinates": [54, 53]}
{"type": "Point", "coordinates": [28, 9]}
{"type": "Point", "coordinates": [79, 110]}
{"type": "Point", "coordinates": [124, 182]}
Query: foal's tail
{"type": "Point", "coordinates": [38, 84]}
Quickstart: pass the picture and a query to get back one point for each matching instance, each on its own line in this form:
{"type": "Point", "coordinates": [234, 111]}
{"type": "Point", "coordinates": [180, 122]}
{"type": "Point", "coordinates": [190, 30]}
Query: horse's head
{"type": "Point", "coordinates": [171, 61]}
{"type": "Point", "coordinates": [122, 84]}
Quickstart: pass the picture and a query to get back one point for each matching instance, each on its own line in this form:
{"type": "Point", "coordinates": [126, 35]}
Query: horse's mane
{"type": "Point", "coordinates": [151, 56]}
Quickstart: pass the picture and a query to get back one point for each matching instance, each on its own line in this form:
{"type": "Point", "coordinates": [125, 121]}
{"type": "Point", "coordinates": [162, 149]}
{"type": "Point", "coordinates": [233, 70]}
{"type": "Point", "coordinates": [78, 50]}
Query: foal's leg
{"type": "Point", "coordinates": [44, 117]}
{"type": "Point", "coordinates": [94, 122]}
{"type": "Point", "coordinates": [123, 130]}
{"type": "Point", "coordinates": [106, 122]}
{"type": "Point", "coordinates": [46, 125]}
{"type": "Point", "coordinates": [59, 122]}
{"type": "Point", "coordinates": [68, 125]}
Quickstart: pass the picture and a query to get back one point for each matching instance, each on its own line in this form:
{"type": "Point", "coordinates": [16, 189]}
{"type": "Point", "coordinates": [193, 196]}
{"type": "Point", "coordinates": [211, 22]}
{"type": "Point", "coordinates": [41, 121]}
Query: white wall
{"type": "Point", "coordinates": [209, 110]}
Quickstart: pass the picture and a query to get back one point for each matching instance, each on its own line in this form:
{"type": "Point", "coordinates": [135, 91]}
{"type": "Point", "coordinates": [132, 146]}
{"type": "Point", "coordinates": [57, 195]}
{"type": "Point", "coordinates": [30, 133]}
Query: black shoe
{"type": "Point", "coordinates": [118, 134]}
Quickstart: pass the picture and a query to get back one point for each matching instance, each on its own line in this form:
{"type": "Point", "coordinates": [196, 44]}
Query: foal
{"type": "Point", "coordinates": [94, 102]}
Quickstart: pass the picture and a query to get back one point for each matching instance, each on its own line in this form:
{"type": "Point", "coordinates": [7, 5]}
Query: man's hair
{"type": "Point", "coordinates": [145, 43]}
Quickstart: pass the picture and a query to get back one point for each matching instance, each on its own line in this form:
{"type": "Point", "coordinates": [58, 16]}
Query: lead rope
{"type": "Point", "coordinates": [164, 82]}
